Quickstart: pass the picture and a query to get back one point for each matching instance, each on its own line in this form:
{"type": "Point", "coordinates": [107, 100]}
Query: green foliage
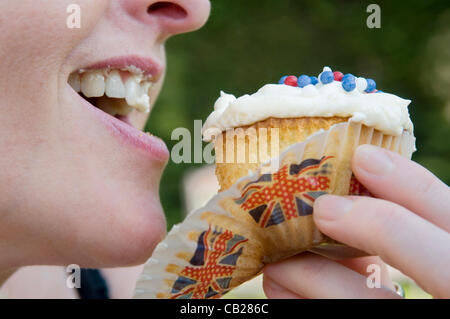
{"type": "Point", "coordinates": [247, 44]}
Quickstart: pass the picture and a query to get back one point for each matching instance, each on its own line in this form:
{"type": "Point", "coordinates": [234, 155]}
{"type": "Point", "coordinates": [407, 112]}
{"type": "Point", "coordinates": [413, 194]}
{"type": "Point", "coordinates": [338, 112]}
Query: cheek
{"type": "Point", "coordinates": [34, 43]}
{"type": "Point", "coordinates": [89, 14]}
{"type": "Point", "coordinates": [40, 31]}
{"type": "Point", "coordinates": [66, 37]}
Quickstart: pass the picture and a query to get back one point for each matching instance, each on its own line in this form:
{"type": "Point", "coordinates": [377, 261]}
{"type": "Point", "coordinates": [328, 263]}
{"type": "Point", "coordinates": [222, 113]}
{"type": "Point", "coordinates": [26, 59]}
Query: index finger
{"type": "Point", "coordinates": [392, 177]}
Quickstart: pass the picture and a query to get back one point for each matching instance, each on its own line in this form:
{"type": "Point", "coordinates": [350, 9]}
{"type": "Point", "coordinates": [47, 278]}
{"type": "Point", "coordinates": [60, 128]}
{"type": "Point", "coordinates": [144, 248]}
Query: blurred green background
{"type": "Point", "coordinates": [246, 44]}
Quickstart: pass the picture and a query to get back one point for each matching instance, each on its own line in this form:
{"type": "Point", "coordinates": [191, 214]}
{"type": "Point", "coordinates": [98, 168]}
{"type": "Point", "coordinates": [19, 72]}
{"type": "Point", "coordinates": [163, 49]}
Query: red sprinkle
{"type": "Point", "coordinates": [291, 80]}
{"type": "Point", "coordinates": [338, 76]}
{"type": "Point", "coordinates": [374, 91]}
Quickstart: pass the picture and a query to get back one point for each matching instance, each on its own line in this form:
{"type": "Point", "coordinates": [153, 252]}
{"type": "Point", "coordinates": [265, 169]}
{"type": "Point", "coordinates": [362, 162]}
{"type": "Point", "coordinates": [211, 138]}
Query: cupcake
{"type": "Point", "coordinates": [252, 129]}
{"type": "Point", "coordinates": [298, 108]}
{"type": "Point", "coordinates": [277, 150]}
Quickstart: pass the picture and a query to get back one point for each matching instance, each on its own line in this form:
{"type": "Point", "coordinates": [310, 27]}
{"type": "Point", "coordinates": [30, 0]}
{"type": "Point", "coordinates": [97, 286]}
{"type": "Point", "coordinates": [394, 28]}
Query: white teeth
{"type": "Point", "coordinates": [143, 103]}
{"type": "Point", "coordinates": [93, 84]}
{"type": "Point", "coordinates": [114, 85]}
{"type": "Point", "coordinates": [137, 94]}
{"type": "Point", "coordinates": [98, 83]}
{"type": "Point", "coordinates": [145, 89]}
{"type": "Point", "coordinates": [132, 87]}
{"type": "Point", "coordinates": [75, 82]}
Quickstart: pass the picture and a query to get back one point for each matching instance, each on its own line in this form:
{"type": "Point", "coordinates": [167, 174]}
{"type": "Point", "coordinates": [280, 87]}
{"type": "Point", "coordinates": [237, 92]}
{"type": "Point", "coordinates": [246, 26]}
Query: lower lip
{"type": "Point", "coordinates": [130, 135]}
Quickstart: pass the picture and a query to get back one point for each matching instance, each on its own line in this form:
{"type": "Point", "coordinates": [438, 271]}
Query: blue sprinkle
{"type": "Point", "coordinates": [282, 79]}
{"type": "Point", "coordinates": [349, 82]}
{"type": "Point", "coordinates": [371, 85]}
{"type": "Point", "coordinates": [303, 80]}
{"type": "Point", "coordinates": [314, 80]}
{"type": "Point", "coordinates": [379, 91]}
{"type": "Point", "coordinates": [327, 77]}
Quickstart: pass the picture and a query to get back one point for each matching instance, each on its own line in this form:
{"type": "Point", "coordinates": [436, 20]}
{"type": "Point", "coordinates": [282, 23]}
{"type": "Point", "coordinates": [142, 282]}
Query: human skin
{"type": "Point", "coordinates": [407, 225]}
{"type": "Point", "coordinates": [70, 191]}
{"type": "Point", "coordinates": [50, 282]}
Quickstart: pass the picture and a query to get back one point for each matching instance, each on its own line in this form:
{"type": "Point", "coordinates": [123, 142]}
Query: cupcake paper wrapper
{"type": "Point", "coordinates": [264, 217]}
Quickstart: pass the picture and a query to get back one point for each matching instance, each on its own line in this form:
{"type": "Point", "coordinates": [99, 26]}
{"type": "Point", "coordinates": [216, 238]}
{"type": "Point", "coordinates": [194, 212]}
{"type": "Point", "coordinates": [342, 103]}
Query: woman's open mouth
{"type": "Point", "coordinates": [116, 88]}
{"type": "Point", "coordinates": [114, 91]}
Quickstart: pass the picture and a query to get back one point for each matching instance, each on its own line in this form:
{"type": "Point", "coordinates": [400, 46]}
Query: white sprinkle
{"type": "Point", "coordinates": [361, 84]}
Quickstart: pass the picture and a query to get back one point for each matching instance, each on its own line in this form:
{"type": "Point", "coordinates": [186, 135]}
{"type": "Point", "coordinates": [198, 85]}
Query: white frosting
{"type": "Point", "coordinates": [383, 111]}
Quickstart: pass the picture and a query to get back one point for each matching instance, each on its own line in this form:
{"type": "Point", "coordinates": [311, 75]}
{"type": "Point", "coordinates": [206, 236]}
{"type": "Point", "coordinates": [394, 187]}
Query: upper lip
{"type": "Point", "coordinates": [149, 66]}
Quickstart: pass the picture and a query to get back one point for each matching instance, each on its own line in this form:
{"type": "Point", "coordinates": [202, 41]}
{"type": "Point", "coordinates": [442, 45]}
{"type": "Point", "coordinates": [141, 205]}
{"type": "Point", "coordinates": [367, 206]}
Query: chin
{"type": "Point", "coordinates": [126, 229]}
{"type": "Point", "coordinates": [138, 235]}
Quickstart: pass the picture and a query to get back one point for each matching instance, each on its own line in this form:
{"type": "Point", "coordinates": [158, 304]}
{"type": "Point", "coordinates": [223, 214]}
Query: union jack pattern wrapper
{"type": "Point", "coordinates": [263, 217]}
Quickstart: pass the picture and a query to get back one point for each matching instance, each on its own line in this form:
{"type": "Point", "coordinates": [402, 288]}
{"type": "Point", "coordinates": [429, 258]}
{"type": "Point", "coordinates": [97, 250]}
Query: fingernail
{"type": "Point", "coordinates": [373, 160]}
{"type": "Point", "coordinates": [331, 207]}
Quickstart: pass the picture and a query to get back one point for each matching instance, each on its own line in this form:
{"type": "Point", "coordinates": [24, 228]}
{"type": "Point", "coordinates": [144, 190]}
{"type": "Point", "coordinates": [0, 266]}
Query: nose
{"type": "Point", "coordinates": [171, 16]}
